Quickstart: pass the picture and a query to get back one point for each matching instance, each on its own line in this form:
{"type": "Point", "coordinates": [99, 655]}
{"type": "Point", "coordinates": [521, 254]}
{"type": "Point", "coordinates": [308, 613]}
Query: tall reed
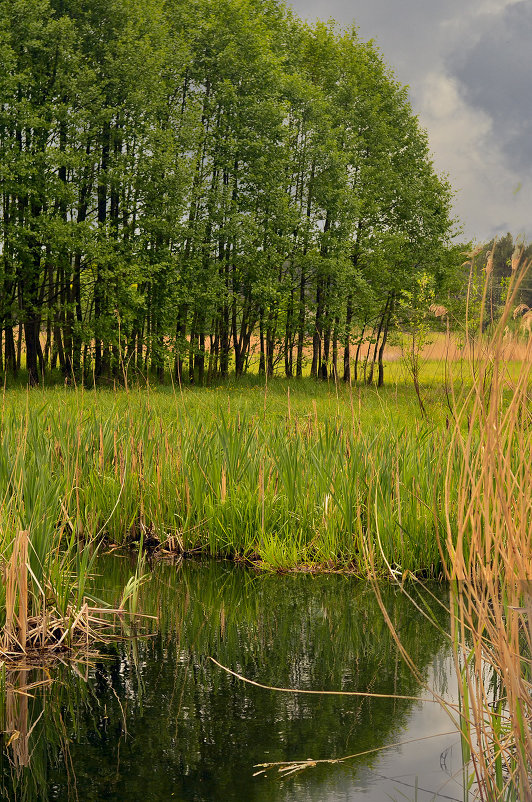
{"type": "Point", "coordinates": [44, 564]}
{"type": "Point", "coordinates": [489, 540]}
{"type": "Point", "coordinates": [298, 488]}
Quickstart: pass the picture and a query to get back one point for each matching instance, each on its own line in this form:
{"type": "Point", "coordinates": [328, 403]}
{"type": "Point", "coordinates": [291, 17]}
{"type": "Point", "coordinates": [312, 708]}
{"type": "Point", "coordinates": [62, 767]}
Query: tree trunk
{"type": "Point", "coordinates": [10, 350]}
{"type": "Point", "coordinates": [316, 336]}
{"type": "Point", "coordinates": [335, 349]}
{"type": "Point", "coordinates": [262, 358]}
{"type": "Point", "coordinates": [225, 340]}
{"type": "Point", "coordinates": [380, 381]}
{"type": "Point", "coordinates": [301, 324]}
{"type": "Point", "coordinates": [347, 339]}
{"type": "Point", "coordinates": [377, 339]}
{"type": "Point", "coordinates": [180, 336]}
{"type": "Point", "coordinates": [288, 338]}
{"type": "Point", "coordinates": [101, 361]}
{"type": "Point", "coordinates": [200, 355]}
{"type": "Point", "coordinates": [191, 349]}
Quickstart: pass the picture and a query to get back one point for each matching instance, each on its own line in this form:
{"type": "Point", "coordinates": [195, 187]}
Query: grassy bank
{"type": "Point", "coordinates": [284, 479]}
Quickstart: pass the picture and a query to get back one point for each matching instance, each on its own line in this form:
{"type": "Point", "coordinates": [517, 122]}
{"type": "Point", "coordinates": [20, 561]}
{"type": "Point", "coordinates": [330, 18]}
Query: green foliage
{"type": "Point", "coordinates": [199, 180]}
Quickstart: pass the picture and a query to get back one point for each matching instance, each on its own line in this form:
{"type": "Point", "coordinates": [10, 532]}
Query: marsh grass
{"type": "Point", "coordinates": [43, 605]}
{"type": "Point", "coordinates": [298, 476]}
{"type": "Point", "coordinates": [285, 480]}
{"type": "Point", "coordinates": [282, 491]}
{"type": "Point", "coordinates": [289, 483]}
{"type": "Point", "coordinates": [34, 624]}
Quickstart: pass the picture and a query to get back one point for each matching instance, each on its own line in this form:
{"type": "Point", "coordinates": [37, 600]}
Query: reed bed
{"type": "Point", "coordinates": [489, 540]}
{"type": "Point", "coordinates": [300, 481]}
{"type": "Point", "coordinates": [284, 493]}
{"type": "Point", "coordinates": [44, 607]}
{"type": "Point", "coordinates": [52, 614]}
{"type": "Point", "coordinates": [287, 487]}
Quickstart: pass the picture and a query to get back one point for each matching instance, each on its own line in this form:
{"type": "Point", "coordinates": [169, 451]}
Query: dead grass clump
{"type": "Point", "coordinates": [33, 628]}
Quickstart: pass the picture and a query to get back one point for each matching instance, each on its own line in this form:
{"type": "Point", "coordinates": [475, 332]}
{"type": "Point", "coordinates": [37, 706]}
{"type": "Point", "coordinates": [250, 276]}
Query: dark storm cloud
{"type": "Point", "coordinates": [496, 76]}
{"type": "Point", "coordinates": [468, 64]}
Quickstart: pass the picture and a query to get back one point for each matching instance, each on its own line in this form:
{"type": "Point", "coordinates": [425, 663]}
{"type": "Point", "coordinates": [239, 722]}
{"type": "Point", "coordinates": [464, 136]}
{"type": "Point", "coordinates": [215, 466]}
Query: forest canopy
{"type": "Point", "coordinates": [185, 185]}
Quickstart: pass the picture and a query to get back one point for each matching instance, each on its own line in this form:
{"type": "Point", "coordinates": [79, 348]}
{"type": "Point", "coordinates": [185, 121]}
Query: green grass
{"type": "Point", "coordinates": [298, 475]}
{"type": "Point", "coordinates": [286, 477]}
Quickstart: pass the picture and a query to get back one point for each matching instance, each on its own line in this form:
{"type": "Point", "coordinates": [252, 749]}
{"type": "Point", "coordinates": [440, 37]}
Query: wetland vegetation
{"type": "Point", "coordinates": [197, 199]}
{"type": "Point", "coordinates": [305, 477]}
{"type": "Point", "coordinates": [298, 476]}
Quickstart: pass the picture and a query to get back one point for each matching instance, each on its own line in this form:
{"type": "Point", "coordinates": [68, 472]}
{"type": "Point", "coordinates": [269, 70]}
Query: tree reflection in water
{"type": "Point", "coordinates": [153, 719]}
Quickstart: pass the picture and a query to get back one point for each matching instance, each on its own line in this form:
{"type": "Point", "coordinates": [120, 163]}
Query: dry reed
{"type": "Point", "coordinates": [487, 558]}
{"type": "Point", "coordinates": [489, 529]}
{"type": "Point", "coordinates": [33, 626]}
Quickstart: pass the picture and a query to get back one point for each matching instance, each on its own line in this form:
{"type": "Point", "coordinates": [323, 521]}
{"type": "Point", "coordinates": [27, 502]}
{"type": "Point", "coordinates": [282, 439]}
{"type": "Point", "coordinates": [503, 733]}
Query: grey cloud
{"type": "Point", "coordinates": [410, 33]}
{"type": "Point", "coordinates": [469, 68]}
{"type": "Point", "coordinates": [496, 77]}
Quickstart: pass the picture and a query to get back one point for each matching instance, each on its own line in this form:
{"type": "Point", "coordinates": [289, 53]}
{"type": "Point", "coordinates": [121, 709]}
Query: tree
{"type": "Point", "coordinates": [184, 183]}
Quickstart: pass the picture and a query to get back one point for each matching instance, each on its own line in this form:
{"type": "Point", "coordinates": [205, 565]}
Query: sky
{"type": "Point", "coordinates": [468, 65]}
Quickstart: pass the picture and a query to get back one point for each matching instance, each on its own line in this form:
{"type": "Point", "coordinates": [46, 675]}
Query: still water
{"type": "Point", "coordinates": [152, 718]}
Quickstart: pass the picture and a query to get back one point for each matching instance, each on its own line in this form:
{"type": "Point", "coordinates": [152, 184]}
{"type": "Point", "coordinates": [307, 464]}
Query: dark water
{"type": "Point", "coordinates": [155, 719]}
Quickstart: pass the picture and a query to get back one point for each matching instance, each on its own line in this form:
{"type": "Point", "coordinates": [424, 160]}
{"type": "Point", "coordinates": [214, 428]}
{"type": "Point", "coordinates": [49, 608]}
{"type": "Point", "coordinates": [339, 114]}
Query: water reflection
{"type": "Point", "coordinates": [154, 719]}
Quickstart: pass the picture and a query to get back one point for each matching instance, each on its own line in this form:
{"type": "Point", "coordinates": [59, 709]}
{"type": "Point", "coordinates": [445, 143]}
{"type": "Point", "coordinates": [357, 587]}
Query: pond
{"type": "Point", "coordinates": [153, 718]}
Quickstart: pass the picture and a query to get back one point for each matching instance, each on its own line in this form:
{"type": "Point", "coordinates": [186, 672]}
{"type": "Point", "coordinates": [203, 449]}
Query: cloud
{"type": "Point", "coordinates": [495, 76]}
{"type": "Point", "coordinates": [411, 34]}
{"type": "Point", "coordinates": [491, 198]}
{"type": "Point", "coordinates": [468, 66]}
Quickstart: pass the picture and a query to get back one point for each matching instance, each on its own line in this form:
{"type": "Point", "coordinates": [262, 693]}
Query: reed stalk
{"type": "Point", "coordinates": [489, 540]}
{"type": "Point", "coordinates": [297, 490]}
{"type": "Point", "coordinates": [16, 590]}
